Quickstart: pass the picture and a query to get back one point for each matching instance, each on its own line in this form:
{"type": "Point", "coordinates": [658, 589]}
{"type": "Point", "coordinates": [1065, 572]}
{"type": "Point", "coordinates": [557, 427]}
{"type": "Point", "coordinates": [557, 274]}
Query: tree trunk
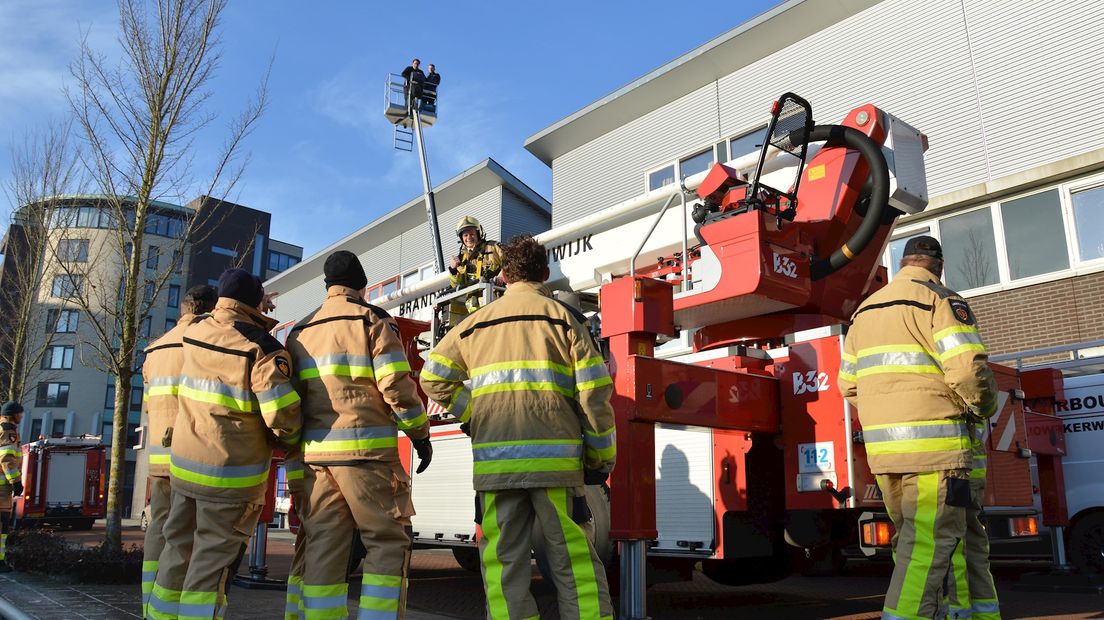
{"type": "Point", "coordinates": [113, 539]}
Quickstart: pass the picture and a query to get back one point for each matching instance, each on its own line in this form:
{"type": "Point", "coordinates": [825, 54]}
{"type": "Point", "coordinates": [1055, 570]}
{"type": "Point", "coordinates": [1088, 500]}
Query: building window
{"type": "Point", "coordinates": [165, 225]}
{"type": "Point", "coordinates": [278, 261]}
{"type": "Point", "coordinates": [62, 321]}
{"type": "Point", "coordinates": [749, 142]}
{"type": "Point", "coordinates": [662, 177]}
{"type": "Point", "coordinates": [73, 250]}
{"type": "Point", "coordinates": [151, 289]}
{"type": "Point", "coordinates": [281, 331]}
{"type": "Point", "coordinates": [139, 361]}
{"type": "Point", "coordinates": [1088, 218]}
{"type": "Point", "coordinates": [136, 398]}
{"type": "Point", "coordinates": [384, 288]}
{"type": "Point", "coordinates": [58, 428]}
{"type": "Point", "coordinates": [169, 324]}
{"type": "Point", "coordinates": [52, 395]}
{"type": "Point", "coordinates": [153, 257]}
{"type": "Point", "coordinates": [174, 295]}
{"type": "Point", "coordinates": [36, 429]}
{"type": "Point", "coordinates": [144, 329]}
{"type": "Point", "coordinates": [1034, 237]}
{"type": "Point", "coordinates": [109, 397]}
{"type": "Point", "coordinates": [224, 251]}
{"type": "Point", "coordinates": [66, 285]}
{"type": "Point", "coordinates": [699, 162]}
{"type": "Point", "coordinates": [178, 261]}
{"type": "Point", "coordinates": [58, 358]}
{"type": "Point", "coordinates": [969, 250]}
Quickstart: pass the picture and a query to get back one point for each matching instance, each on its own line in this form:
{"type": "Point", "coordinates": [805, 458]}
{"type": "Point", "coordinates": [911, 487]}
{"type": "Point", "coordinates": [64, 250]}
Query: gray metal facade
{"type": "Point", "coordinates": [999, 86]}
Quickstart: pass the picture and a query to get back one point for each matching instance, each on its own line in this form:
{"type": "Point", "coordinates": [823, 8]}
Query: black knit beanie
{"type": "Point", "coordinates": [241, 285]}
{"type": "Point", "coordinates": [344, 268]}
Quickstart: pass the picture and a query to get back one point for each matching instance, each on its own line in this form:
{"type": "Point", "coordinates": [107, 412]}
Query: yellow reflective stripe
{"type": "Point", "coordinates": [523, 386]}
{"type": "Point", "coordinates": [159, 459]}
{"type": "Point", "coordinates": [346, 445]}
{"type": "Point", "coordinates": [441, 359]}
{"type": "Point", "coordinates": [905, 446]}
{"type": "Point", "coordinates": [588, 362]}
{"type": "Point", "coordinates": [595, 383]}
{"type": "Point", "coordinates": [847, 357]}
{"type": "Point", "coordinates": [392, 368]}
{"type": "Point", "coordinates": [294, 474]}
{"type": "Point", "coordinates": [217, 481]}
{"type": "Point", "coordinates": [390, 581]}
{"type": "Point", "coordinates": [492, 564]}
{"type": "Point", "coordinates": [162, 390]}
{"type": "Point", "coordinates": [340, 589]}
{"type": "Point", "coordinates": [275, 405]}
{"type": "Point", "coordinates": [560, 368]}
{"type": "Point", "coordinates": [216, 399]}
{"type": "Point", "coordinates": [957, 329]}
{"type": "Point", "coordinates": [517, 466]}
{"type": "Point", "coordinates": [579, 555]}
{"type": "Point", "coordinates": [960, 349]}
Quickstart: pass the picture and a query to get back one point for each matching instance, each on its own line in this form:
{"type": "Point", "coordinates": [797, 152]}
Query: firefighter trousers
{"type": "Point", "coordinates": [928, 510]}
{"type": "Point", "coordinates": [203, 540]}
{"type": "Point", "coordinates": [159, 503]}
{"type": "Point", "coordinates": [505, 555]}
{"type": "Point", "coordinates": [294, 605]}
{"type": "Point", "coordinates": [5, 519]}
{"type": "Point", "coordinates": [971, 592]}
{"type": "Point", "coordinates": [373, 497]}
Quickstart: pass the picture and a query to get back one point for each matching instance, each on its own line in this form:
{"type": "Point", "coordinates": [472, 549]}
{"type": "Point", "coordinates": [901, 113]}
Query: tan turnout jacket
{"type": "Point", "coordinates": [161, 380]}
{"type": "Point", "coordinates": [354, 380]}
{"type": "Point", "coordinates": [11, 459]}
{"type": "Point", "coordinates": [537, 391]}
{"type": "Point", "coordinates": [915, 367]}
{"type": "Point", "coordinates": [236, 401]}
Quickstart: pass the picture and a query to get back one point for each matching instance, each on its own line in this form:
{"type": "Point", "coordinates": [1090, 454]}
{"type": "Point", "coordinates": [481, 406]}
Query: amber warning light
{"type": "Point", "coordinates": [877, 533]}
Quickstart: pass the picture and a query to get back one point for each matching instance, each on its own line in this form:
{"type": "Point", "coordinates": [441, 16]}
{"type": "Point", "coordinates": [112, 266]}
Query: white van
{"type": "Point", "coordinates": [1082, 413]}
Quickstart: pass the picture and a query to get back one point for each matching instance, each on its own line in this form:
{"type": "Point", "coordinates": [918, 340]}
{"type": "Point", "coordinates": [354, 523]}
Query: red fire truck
{"type": "Point", "coordinates": [63, 482]}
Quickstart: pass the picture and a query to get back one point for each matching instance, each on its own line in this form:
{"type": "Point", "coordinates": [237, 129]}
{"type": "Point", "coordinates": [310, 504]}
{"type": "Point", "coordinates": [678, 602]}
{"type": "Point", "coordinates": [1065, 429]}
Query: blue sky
{"type": "Point", "coordinates": [322, 159]}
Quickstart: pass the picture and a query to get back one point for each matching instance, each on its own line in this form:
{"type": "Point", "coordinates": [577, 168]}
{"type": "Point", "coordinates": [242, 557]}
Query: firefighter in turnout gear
{"type": "Point", "coordinates": [11, 471]}
{"type": "Point", "coordinates": [479, 260]}
{"type": "Point", "coordinates": [915, 367]}
{"type": "Point", "coordinates": [293, 471]}
{"type": "Point", "coordinates": [236, 403]}
{"type": "Point", "coordinates": [539, 414]}
{"type": "Point", "coordinates": [161, 378]}
{"type": "Point", "coordinates": [357, 391]}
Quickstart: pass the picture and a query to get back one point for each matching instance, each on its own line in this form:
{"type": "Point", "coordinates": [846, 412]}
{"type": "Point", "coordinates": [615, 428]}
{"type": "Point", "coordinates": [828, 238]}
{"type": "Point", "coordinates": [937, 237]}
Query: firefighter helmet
{"type": "Point", "coordinates": [469, 222]}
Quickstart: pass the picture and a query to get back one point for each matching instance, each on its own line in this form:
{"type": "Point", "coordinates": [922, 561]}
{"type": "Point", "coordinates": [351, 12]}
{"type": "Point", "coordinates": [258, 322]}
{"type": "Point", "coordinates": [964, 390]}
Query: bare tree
{"type": "Point", "coordinates": [976, 266]}
{"type": "Point", "coordinates": [44, 168]}
{"type": "Point", "coordinates": [140, 119]}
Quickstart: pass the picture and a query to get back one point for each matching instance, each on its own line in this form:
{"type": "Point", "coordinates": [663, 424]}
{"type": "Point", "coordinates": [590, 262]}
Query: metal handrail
{"type": "Point", "coordinates": [1019, 356]}
{"type": "Point", "coordinates": [651, 229]}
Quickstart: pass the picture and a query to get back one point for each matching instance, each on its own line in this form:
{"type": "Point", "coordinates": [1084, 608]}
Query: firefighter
{"type": "Point", "coordinates": [293, 471]}
{"type": "Point", "coordinates": [541, 425]}
{"type": "Point", "coordinates": [236, 402]}
{"type": "Point", "coordinates": [357, 391]}
{"type": "Point", "coordinates": [479, 260]}
{"type": "Point", "coordinates": [915, 367]}
{"type": "Point", "coordinates": [161, 378]}
{"type": "Point", "coordinates": [11, 468]}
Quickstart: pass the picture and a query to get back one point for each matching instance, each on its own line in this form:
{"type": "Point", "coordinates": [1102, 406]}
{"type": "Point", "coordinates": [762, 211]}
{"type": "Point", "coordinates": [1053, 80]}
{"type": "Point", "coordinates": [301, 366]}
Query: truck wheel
{"type": "Point", "coordinates": [743, 572]}
{"type": "Point", "coordinates": [467, 558]}
{"type": "Point", "coordinates": [83, 524]}
{"type": "Point", "coordinates": [1086, 545]}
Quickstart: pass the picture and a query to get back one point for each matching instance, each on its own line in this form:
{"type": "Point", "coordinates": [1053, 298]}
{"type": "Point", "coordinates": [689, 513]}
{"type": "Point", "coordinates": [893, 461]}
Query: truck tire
{"type": "Point", "coordinates": [83, 524]}
{"type": "Point", "coordinates": [1086, 544]}
{"type": "Point", "coordinates": [467, 558]}
{"type": "Point", "coordinates": [744, 571]}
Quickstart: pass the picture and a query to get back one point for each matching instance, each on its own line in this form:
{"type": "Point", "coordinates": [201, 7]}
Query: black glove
{"type": "Point", "coordinates": [593, 476]}
{"type": "Point", "coordinates": [17, 488]}
{"type": "Point", "coordinates": [465, 428]}
{"type": "Point", "coordinates": [425, 453]}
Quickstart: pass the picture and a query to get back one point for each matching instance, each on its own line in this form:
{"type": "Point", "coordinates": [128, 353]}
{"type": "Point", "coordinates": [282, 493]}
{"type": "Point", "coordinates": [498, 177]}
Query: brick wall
{"type": "Point", "coordinates": [1043, 315]}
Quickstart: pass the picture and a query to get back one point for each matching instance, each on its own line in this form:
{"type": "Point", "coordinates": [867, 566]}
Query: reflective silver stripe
{"type": "Point", "coordinates": [275, 393]}
{"type": "Point", "coordinates": [411, 414]}
{"type": "Point", "coordinates": [847, 367]}
{"type": "Point", "coordinates": [599, 442]}
{"type": "Point", "coordinates": [166, 607]}
{"type": "Point", "coordinates": [324, 602]}
{"type": "Point", "coordinates": [215, 387]}
{"type": "Point", "coordinates": [338, 434]}
{"type": "Point", "coordinates": [460, 402]}
{"type": "Point", "coordinates": [336, 359]}
{"type": "Point", "coordinates": [924, 431]}
{"type": "Point", "coordinates": [522, 375]}
{"type": "Point", "coordinates": [162, 381]}
{"type": "Point", "coordinates": [955, 340]}
{"type": "Point", "coordinates": [386, 592]}
{"type": "Point", "coordinates": [901, 358]}
{"type": "Point", "coordinates": [157, 448]}
{"type": "Point", "coordinates": [220, 471]}
{"type": "Point", "coordinates": [196, 611]}
{"type": "Point", "coordinates": [440, 370]}
{"type": "Point", "coordinates": [385, 359]}
{"type": "Point", "coordinates": [590, 373]}
{"type": "Point", "coordinates": [526, 451]}
{"type": "Point", "coordinates": [985, 607]}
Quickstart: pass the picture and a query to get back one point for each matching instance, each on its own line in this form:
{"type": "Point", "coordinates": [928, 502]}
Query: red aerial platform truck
{"type": "Point", "coordinates": [63, 482]}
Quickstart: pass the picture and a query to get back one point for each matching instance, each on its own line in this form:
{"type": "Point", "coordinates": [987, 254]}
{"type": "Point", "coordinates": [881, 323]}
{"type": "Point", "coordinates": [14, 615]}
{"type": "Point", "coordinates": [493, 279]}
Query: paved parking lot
{"type": "Point", "coordinates": [439, 587]}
